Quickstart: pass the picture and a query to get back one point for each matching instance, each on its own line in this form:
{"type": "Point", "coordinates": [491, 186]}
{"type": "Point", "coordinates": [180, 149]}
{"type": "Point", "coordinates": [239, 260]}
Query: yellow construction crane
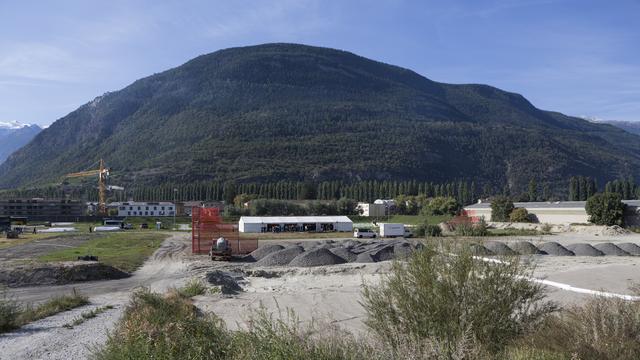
{"type": "Point", "coordinates": [102, 172]}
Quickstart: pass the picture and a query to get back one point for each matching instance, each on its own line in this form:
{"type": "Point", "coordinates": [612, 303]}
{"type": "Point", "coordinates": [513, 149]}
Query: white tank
{"type": "Point", "coordinates": [222, 244]}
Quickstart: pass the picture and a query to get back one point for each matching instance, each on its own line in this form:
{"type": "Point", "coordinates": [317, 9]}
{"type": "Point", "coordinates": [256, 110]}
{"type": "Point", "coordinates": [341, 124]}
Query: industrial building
{"type": "Point", "coordinates": [134, 208]}
{"type": "Point", "coordinates": [39, 209]}
{"type": "Point", "coordinates": [557, 213]}
{"type": "Point", "coordinates": [372, 210]}
{"type": "Point", "coordinates": [258, 224]}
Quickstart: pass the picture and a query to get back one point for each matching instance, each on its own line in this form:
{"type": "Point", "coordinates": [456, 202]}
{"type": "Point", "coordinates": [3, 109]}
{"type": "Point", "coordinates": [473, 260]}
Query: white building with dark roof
{"type": "Point", "coordinates": [135, 208]}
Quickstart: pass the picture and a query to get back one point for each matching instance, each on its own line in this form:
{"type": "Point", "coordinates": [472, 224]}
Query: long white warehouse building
{"type": "Point", "coordinates": [258, 224]}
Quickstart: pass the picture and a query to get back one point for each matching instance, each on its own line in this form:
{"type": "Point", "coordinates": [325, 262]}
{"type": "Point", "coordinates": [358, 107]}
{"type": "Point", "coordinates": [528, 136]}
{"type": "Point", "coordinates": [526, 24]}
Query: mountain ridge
{"type": "Point", "coordinates": [14, 135]}
{"type": "Point", "coordinates": [296, 112]}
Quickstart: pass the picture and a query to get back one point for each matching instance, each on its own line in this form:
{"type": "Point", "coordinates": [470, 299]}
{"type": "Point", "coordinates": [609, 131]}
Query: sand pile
{"type": "Point", "coordinates": [499, 248]}
{"type": "Point", "coordinates": [265, 250]}
{"type": "Point", "coordinates": [526, 248]}
{"type": "Point", "coordinates": [317, 257]}
{"type": "Point", "coordinates": [630, 248]}
{"type": "Point", "coordinates": [610, 249]}
{"type": "Point", "coordinates": [282, 257]}
{"type": "Point", "coordinates": [555, 249]}
{"type": "Point", "coordinates": [584, 250]}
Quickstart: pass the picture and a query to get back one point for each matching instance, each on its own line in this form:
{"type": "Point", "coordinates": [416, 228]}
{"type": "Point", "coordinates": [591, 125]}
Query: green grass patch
{"type": "Point", "coordinates": [13, 316]}
{"type": "Point", "coordinates": [193, 287]}
{"type": "Point", "coordinates": [515, 232]}
{"type": "Point", "coordinates": [403, 219]}
{"type": "Point", "coordinates": [126, 251]}
{"type": "Point", "coordinates": [86, 315]}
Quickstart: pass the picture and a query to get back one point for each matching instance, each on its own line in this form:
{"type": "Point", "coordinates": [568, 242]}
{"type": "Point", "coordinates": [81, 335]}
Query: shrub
{"type": "Point", "coordinates": [501, 208]}
{"type": "Point", "coordinates": [441, 205]}
{"type": "Point", "coordinates": [520, 215]}
{"type": "Point", "coordinates": [53, 306]}
{"type": "Point", "coordinates": [606, 209]}
{"type": "Point", "coordinates": [603, 328]}
{"type": "Point", "coordinates": [9, 312]}
{"type": "Point", "coordinates": [193, 287]}
{"type": "Point", "coordinates": [449, 298]}
{"type": "Point", "coordinates": [428, 230]}
{"type": "Point", "coordinates": [472, 229]}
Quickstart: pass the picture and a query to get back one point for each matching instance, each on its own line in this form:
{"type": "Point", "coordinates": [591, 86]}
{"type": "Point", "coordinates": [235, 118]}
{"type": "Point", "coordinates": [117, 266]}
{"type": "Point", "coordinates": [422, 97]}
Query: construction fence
{"type": "Point", "coordinates": [207, 227]}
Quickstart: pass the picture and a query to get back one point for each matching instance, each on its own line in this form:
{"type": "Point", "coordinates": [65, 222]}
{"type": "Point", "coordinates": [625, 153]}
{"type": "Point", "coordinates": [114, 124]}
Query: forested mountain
{"type": "Point", "coordinates": [293, 112]}
{"type": "Point", "coordinates": [629, 126]}
{"type": "Point", "coordinates": [13, 135]}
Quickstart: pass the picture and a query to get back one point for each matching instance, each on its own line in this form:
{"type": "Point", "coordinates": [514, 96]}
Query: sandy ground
{"type": "Point", "coordinates": [328, 293]}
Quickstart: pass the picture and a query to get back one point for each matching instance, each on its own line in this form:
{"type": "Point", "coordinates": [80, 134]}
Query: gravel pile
{"type": "Point", "coordinates": [344, 253]}
{"type": "Point", "coordinates": [479, 250]}
{"type": "Point", "coordinates": [402, 250]}
{"type": "Point", "coordinates": [282, 257]}
{"type": "Point", "coordinates": [499, 248]}
{"type": "Point", "coordinates": [317, 257]}
{"type": "Point", "coordinates": [365, 257]}
{"type": "Point", "coordinates": [584, 250]}
{"type": "Point", "coordinates": [630, 248]}
{"type": "Point", "coordinates": [555, 249]}
{"type": "Point", "coordinates": [610, 249]}
{"type": "Point", "coordinates": [265, 250]}
{"type": "Point", "coordinates": [526, 248]}
{"type": "Point", "coordinates": [227, 281]}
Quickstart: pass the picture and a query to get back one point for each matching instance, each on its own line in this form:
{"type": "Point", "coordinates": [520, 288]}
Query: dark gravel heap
{"type": "Point", "coordinates": [584, 250]}
{"type": "Point", "coordinates": [526, 248]}
{"type": "Point", "coordinates": [344, 253]}
{"type": "Point", "coordinates": [265, 250]}
{"type": "Point", "coordinates": [630, 248]}
{"type": "Point", "coordinates": [610, 249]}
{"type": "Point", "coordinates": [317, 257]}
{"type": "Point", "coordinates": [282, 257]}
{"type": "Point", "coordinates": [499, 248]}
{"type": "Point", "coordinates": [555, 249]}
{"type": "Point", "coordinates": [227, 281]}
{"type": "Point", "coordinates": [479, 250]}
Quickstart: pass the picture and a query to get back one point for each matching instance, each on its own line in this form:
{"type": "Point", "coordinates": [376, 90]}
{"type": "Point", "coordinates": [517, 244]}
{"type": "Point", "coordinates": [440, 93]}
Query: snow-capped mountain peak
{"type": "Point", "coordinates": [13, 125]}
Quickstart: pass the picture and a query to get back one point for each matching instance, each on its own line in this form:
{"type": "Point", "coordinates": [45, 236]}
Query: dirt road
{"type": "Point", "coordinates": [49, 339]}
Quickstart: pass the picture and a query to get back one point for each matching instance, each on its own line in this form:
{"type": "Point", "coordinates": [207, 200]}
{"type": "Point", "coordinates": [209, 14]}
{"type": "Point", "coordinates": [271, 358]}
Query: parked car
{"type": "Point", "coordinates": [408, 233]}
{"type": "Point", "coordinates": [364, 233]}
{"type": "Point", "coordinates": [127, 226]}
{"type": "Point", "coordinates": [144, 226]}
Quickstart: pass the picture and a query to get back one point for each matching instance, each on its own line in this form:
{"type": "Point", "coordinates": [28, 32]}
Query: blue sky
{"type": "Point", "coordinates": [579, 57]}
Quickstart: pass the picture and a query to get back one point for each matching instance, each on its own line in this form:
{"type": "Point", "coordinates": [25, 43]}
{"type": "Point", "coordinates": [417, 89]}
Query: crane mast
{"type": "Point", "coordinates": [102, 172]}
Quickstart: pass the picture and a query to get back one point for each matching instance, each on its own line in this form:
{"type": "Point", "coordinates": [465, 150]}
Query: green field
{"type": "Point", "coordinates": [124, 250]}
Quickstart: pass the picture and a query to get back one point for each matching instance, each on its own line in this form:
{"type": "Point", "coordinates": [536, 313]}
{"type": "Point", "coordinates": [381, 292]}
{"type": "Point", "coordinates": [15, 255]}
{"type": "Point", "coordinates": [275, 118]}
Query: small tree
{"type": "Point", "coordinates": [606, 209]}
{"type": "Point", "coordinates": [441, 205]}
{"type": "Point", "coordinates": [520, 215]}
{"type": "Point", "coordinates": [501, 208]}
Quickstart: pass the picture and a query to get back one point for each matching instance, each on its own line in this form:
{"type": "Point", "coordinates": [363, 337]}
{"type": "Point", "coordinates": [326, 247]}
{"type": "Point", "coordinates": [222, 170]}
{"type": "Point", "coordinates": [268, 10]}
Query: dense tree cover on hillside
{"type": "Point", "coordinates": [293, 113]}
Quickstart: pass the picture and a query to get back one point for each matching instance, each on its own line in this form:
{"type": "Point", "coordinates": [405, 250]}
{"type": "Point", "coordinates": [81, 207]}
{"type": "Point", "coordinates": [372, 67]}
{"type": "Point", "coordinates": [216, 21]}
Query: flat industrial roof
{"type": "Point", "coordinates": [293, 219]}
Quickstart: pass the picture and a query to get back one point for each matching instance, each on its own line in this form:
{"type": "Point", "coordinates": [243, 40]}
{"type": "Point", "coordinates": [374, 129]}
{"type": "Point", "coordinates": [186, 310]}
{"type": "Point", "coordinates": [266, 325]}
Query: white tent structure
{"type": "Point", "coordinates": [257, 224]}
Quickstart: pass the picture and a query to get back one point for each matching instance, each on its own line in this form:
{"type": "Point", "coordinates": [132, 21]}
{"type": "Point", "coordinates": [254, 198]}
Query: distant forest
{"type": "Point", "coordinates": [464, 192]}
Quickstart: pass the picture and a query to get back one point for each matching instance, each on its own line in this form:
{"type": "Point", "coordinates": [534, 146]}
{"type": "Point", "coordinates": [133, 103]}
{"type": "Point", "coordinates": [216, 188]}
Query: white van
{"type": "Point", "coordinates": [364, 233]}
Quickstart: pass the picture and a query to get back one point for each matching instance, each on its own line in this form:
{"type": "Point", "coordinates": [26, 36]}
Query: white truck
{"type": "Point", "coordinates": [394, 230]}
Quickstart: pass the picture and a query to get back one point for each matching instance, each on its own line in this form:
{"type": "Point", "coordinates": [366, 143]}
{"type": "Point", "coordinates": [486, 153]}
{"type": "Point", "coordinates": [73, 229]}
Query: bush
{"type": "Point", "coordinates": [451, 300]}
{"type": "Point", "coordinates": [9, 312]}
{"type": "Point", "coordinates": [428, 230]}
{"type": "Point", "coordinates": [471, 229]}
{"type": "Point", "coordinates": [519, 215]}
{"type": "Point", "coordinates": [53, 306]}
{"type": "Point", "coordinates": [606, 209]}
{"type": "Point", "coordinates": [603, 328]}
{"type": "Point", "coordinates": [193, 287]}
{"type": "Point", "coordinates": [501, 208]}
{"type": "Point", "coordinates": [441, 205]}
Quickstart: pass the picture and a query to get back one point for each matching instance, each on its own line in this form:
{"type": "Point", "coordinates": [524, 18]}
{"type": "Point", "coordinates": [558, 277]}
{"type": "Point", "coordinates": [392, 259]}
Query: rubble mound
{"type": "Point", "coordinates": [499, 248]}
{"type": "Point", "coordinates": [582, 249]}
{"type": "Point", "coordinates": [610, 249]}
{"type": "Point", "coordinates": [526, 248]}
{"type": "Point", "coordinates": [614, 230]}
{"type": "Point", "coordinates": [630, 248]}
{"type": "Point", "coordinates": [317, 257]}
{"type": "Point", "coordinates": [555, 249]}
{"type": "Point", "coordinates": [265, 250]}
{"type": "Point", "coordinates": [344, 253]}
{"type": "Point", "coordinates": [59, 274]}
{"type": "Point", "coordinates": [227, 281]}
{"type": "Point", "coordinates": [281, 257]}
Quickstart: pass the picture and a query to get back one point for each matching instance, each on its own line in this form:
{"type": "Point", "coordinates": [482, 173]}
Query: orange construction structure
{"type": "Point", "coordinates": [207, 226]}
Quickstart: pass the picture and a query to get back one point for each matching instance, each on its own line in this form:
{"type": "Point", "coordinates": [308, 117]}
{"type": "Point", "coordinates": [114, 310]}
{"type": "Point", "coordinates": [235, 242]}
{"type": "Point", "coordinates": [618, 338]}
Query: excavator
{"type": "Point", "coordinates": [102, 173]}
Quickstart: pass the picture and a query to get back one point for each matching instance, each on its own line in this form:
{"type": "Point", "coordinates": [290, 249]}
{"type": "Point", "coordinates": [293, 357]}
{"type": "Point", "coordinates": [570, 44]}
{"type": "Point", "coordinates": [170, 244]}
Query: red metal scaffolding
{"type": "Point", "coordinates": [207, 226]}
